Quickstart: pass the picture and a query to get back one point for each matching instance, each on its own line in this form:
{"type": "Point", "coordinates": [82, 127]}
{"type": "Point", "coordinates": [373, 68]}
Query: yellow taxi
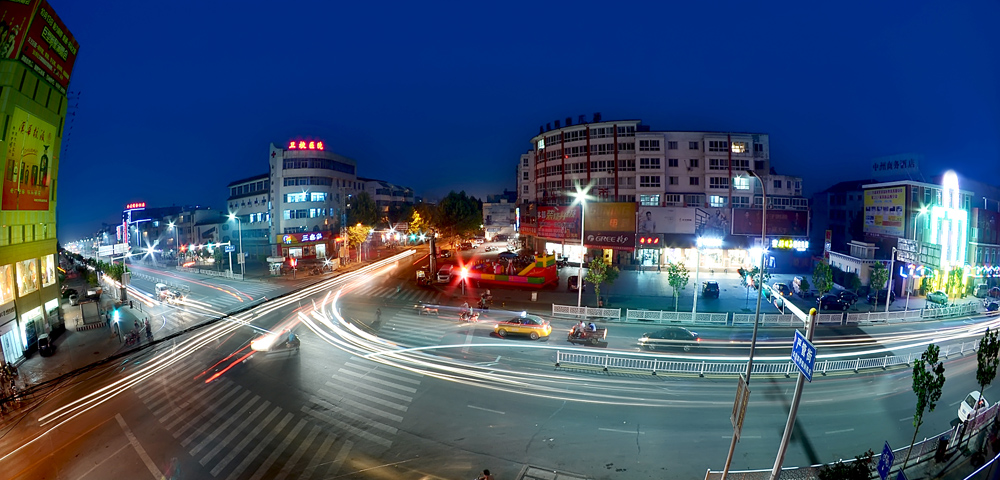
{"type": "Point", "coordinates": [531, 325]}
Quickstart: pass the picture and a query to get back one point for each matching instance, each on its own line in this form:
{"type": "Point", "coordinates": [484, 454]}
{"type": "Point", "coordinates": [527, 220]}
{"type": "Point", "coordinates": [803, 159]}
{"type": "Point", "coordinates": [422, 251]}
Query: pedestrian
{"type": "Point", "coordinates": [486, 475]}
{"type": "Point", "coordinates": [130, 304]}
{"type": "Point", "coordinates": [378, 314]}
{"type": "Point", "coordinates": [657, 268]}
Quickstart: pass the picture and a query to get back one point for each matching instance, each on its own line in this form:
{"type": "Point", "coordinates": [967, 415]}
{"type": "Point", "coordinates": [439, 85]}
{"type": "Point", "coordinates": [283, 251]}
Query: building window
{"type": "Point", "coordinates": [694, 163]}
{"type": "Point", "coordinates": [741, 202]}
{"type": "Point", "coordinates": [672, 162]}
{"type": "Point", "coordinates": [649, 164]}
{"type": "Point", "coordinates": [525, 189]}
{"type": "Point", "coordinates": [692, 145]}
{"type": "Point", "coordinates": [716, 201]}
{"type": "Point", "coordinates": [741, 183]}
{"type": "Point", "coordinates": [671, 145]}
{"type": "Point", "coordinates": [649, 200]}
{"type": "Point", "coordinates": [718, 145]}
{"type": "Point", "coordinates": [693, 200]}
{"type": "Point", "coordinates": [524, 175]}
{"type": "Point", "coordinates": [718, 182]}
{"type": "Point", "coordinates": [674, 180]}
{"type": "Point", "coordinates": [649, 181]}
{"type": "Point", "coordinates": [739, 147]}
{"type": "Point", "coordinates": [295, 197]}
{"type": "Point", "coordinates": [758, 148]}
{"type": "Point", "coordinates": [694, 181]}
{"type": "Point", "coordinates": [649, 145]}
{"type": "Point", "coordinates": [776, 183]}
{"type": "Point", "coordinates": [317, 197]}
{"type": "Point", "coordinates": [672, 200]}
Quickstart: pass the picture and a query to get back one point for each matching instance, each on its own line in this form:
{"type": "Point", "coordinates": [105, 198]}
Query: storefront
{"type": "Point", "coordinates": [313, 245]}
{"type": "Point", "coordinates": [572, 253]}
{"type": "Point", "coordinates": [10, 336]}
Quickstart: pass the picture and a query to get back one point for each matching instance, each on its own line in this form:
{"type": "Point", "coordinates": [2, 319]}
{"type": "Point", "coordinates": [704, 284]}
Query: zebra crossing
{"type": "Point", "coordinates": [239, 296]}
{"type": "Point", "coordinates": [371, 290]}
{"type": "Point", "coordinates": [234, 433]}
{"type": "Point", "coordinates": [407, 327]}
{"type": "Point", "coordinates": [376, 398]}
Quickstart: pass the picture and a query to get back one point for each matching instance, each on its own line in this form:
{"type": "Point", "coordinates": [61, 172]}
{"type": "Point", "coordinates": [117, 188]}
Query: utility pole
{"type": "Point", "coordinates": [799, 383]}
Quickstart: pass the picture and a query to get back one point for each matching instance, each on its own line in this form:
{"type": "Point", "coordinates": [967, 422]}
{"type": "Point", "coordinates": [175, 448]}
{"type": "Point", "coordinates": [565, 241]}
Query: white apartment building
{"type": "Point", "coordinates": [387, 195]}
{"type": "Point", "coordinates": [250, 201]}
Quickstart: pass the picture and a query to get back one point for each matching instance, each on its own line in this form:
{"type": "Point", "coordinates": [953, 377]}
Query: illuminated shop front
{"type": "Point", "coordinates": [305, 245]}
{"type": "Point", "coordinates": [572, 253]}
{"type": "Point", "coordinates": [10, 335]}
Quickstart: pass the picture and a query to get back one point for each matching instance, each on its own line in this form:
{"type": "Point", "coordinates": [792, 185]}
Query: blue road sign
{"type": "Point", "coordinates": [885, 461]}
{"type": "Point", "coordinates": [230, 248]}
{"type": "Point", "coordinates": [803, 355]}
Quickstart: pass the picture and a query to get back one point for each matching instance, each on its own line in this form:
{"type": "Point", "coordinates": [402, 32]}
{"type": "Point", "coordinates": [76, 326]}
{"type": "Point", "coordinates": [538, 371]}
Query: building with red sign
{"type": "Point", "coordinates": [37, 53]}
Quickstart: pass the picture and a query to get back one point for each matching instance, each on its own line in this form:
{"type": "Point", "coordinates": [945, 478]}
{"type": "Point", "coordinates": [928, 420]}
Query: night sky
{"type": "Point", "coordinates": [175, 103]}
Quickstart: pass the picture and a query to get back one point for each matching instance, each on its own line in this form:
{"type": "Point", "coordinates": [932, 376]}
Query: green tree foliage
{"type": "Point", "coordinates": [859, 469]}
{"type": "Point", "coordinates": [853, 282]}
{"type": "Point", "coordinates": [986, 370]}
{"type": "Point", "coordinates": [823, 278]}
{"type": "Point", "coordinates": [677, 277]}
{"type": "Point", "coordinates": [953, 284]}
{"type": "Point", "coordinates": [878, 276]}
{"type": "Point", "coordinates": [599, 272]}
{"type": "Point", "coordinates": [418, 223]}
{"type": "Point", "coordinates": [928, 381]}
{"type": "Point", "coordinates": [458, 216]}
{"type": "Point", "coordinates": [752, 278]}
{"type": "Point", "coordinates": [357, 235]}
{"type": "Point", "coordinates": [804, 285]}
{"type": "Point", "coordinates": [362, 209]}
{"type": "Point", "coordinates": [219, 257]}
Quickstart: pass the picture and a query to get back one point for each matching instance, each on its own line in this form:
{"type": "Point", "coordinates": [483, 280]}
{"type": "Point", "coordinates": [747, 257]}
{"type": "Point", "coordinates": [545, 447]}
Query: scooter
{"type": "Point", "coordinates": [467, 317]}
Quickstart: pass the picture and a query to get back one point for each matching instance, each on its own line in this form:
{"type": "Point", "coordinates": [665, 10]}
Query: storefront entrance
{"type": "Point", "coordinates": [648, 257]}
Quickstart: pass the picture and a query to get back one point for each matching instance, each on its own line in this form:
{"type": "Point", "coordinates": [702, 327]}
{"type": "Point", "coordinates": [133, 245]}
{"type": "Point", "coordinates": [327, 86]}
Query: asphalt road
{"type": "Point", "coordinates": [369, 410]}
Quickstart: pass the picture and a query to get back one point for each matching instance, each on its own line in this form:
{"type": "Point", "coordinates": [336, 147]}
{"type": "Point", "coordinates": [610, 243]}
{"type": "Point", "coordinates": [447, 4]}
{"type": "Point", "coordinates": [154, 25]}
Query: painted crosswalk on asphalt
{"type": "Point", "coordinates": [372, 290]}
{"type": "Point", "coordinates": [244, 435]}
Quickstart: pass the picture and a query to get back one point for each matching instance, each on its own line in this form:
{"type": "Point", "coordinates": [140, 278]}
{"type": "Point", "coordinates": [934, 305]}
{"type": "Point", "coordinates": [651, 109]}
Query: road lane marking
{"type": "Point", "coordinates": [275, 453]}
{"type": "Point", "coordinates": [743, 437]}
{"type": "Point", "coordinates": [303, 446]}
{"type": "Point", "coordinates": [839, 431]}
{"type": "Point", "coordinates": [955, 403]}
{"type": "Point", "coordinates": [153, 469]}
{"type": "Point", "coordinates": [905, 419]}
{"type": "Point", "coordinates": [487, 410]}
{"type": "Point", "coordinates": [622, 431]}
{"type": "Point", "coordinates": [345, 449]}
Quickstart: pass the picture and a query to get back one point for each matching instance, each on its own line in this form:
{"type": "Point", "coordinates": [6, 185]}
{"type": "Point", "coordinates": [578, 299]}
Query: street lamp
{"type": "Point", "coordinates": [580, 196]}
{"type": "Point", "coordinates": [760, 293]}
{"type": "Point", "coordinates": [239, 227]}
{"type": "Point", "coordinates": [888, 290]}
{"type": "Point", "coordinates": [177, 248]}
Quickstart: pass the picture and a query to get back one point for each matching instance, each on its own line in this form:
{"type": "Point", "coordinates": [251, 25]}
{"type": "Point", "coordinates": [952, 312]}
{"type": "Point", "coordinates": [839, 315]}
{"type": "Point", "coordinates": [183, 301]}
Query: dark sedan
{"type": "Point", "coordinates": [849, 297]}
{"type": "Point", "coordinates": [831, 302]}
{"type": "Point", "coordinates": [670, 338]}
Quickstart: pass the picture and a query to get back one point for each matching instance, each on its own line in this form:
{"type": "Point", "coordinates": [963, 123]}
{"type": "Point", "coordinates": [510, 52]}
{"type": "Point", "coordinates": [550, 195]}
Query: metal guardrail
{"type": "Point", "coordinates": [586, 312]}
{"type": "Point", "coordinates": [659, 316]}
{"type": "Point", "coordinates": [950, 311]}
{"type": "Point", "coordinates": [767, 319]}
{"type": "Point", "coordinates": [654, 364]}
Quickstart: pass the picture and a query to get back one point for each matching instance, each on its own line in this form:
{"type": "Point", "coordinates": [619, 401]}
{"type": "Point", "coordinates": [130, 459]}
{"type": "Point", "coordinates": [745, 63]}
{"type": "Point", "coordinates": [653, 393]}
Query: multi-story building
{"type": "Point", "coordinates": [839, 209]}
{"type": "Point", "coordinates": [500, 214]}
{"type": "Point", "coordinates": [386, 195]}
{"type": "Point", "coordinates": [34, 76]}
{"type": "Point", "coordinates": [250, 204]}
{"type": "Point", "coordinates": [684, 185]}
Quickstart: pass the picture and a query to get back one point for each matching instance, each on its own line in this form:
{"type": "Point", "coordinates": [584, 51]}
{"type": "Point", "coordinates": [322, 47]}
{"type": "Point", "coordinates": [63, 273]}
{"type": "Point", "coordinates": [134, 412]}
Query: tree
{"type": "Point", "coordinates": [928, 380]}
{"type": "Point", "coordinates": [357, 235]}
{"type": "Point", "coordinates": [853, 282]}
{"type": "Point", "coordinates": [878, 276]}
{"type": "Point", "coordinates": [677, 277]}
{"type": "Point", "coordinates": [823, 278]}
{"type": "Point", "coordinates": [458, 216]}
{"type": "Point", "coordinates": [418, 223]}
{"type": "Point", "coordinates": [362, 209]}
{"type": "Point", "coordinates": [752, 278]}
{"type": "Point", "coordinates": [804, 285]}
{"type": "Point", "coordinates": [400, 213]}
{"type": "Point", "coordinates": [859, 469]}
{"type": "Point", "coordinates": [219, 257]}
{"type": "Point", "coordinates": [599, 272]}
{"type": "Point", "coordinates": [953, 284]}
{"type": "Point", "coordinates": [986, 370]}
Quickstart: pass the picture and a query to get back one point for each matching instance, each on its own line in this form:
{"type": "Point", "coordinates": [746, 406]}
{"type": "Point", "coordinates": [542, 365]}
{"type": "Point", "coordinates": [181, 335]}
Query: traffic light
{"type": "Point", "coordinates": [648, 241]}
{"type": "Point", "coordinates": [293, 262]}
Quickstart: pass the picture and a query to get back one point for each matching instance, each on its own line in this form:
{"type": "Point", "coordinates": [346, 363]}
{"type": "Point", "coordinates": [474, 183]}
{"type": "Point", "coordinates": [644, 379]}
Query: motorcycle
{"type": "Point", "coordinates": [469, 317]}
{"type": "Point", "coordinates": [424, 309]}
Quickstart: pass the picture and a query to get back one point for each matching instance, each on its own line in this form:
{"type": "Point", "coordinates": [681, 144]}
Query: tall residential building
{"type": "Point", "coordinates": [38, 53]}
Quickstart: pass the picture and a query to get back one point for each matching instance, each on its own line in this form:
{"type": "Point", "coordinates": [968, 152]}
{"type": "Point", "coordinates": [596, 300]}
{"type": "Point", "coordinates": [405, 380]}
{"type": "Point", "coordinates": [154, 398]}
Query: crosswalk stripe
{"type": "Point", "coordinates": [243, 443]}
{"type": "Point", "coordinates": [165, 415]}
{"type": "Point", "coordinates": [319, 456]}
{"type": "Point", "coordinates": [356, 384]}
{"type": "Point", "coordinates": [277, 451]}
{"type": "Point", "coordinates": [360, 406]}
{"type": "Point", "coordinates": [303, 446]}
{"type": "Point", "coordinates": [260, 447]}
{"type": "Point", "coordinates": [345, 449]}
{"type": "Point", "coordinates": [370, 398]}
{"type": "Point", "coordinates": [345, 426]}
{"type": "Point", "coordinates": [204, 412]}
{"type": "Point", "coordinates": [353, 416]}
{"type": "Point", "coordinates": [379, 381]}
{"type": "Point", "coordinates": [382, 373]}
{"type": "Point", "coordinates": [219, 414]}
{"type": "Point", "coordinates": [228, 438]}
{"type": "Point", "coordinates": [166, 378]}
{"type": "Point", "coordinates": [192, 410]}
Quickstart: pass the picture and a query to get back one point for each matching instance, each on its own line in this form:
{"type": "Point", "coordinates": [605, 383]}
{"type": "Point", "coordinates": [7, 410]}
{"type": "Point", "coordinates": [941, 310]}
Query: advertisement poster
{"type": "Point", "coordinates": [559, 223]}
{"type": "Point", "coordinates": [49, 48]}
{"type": "Point", "coordinates": [786, 223]}
{"type": "Point", "coordinates": [610, 225]}
{"type": "Point", "coordinates": [30, 157]}
{"type": "Point", "coordinates": [14, 19]}
{"type": "Point", "coordinates": [703, 222]}
{"type": "Point", "coordinates": [885, 211]}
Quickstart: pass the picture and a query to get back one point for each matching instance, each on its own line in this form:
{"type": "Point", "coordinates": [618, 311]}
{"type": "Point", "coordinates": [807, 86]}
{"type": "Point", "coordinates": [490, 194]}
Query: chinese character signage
{"type": "Point", "coordinates": [885, 211]}
{"type": "Point", "coordinates": [44, 44]}
{"type": "Point", "coordinates": [559, 223]}
{"type": "Point", "coordinates": [31, 155]}
{"type": "Point", "coordinates": [305, 145]}
{"type": "Point", "coordinates": [904, 165]}
{"type": "Point", "coordinates": [803, 355]}
{"type": "Point", "coordinates": [297, 238]}
{"type": "Point", "coordinates": [610, 225]}
{"type": "Point", "coordinates": [790, 223]}
{"type": "Point", "coordinates": [135, 206]}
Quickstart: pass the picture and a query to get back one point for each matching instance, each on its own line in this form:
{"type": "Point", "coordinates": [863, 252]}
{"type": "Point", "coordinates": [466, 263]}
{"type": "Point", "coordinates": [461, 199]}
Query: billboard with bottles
{"type": "Point", "coordinates": [27, 180]}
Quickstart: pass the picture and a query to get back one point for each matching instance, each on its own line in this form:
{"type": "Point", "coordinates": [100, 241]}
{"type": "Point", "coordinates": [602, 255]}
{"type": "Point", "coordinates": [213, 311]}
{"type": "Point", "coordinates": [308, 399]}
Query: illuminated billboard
{"type": "Point", "coordinates": [559, 223]}
{"type": "Point", "coordinates": [788, 223]}
{"type": "Point", "coordinates": [31, 155]}
{"type": "Point", "coordinates": [610, 225]}
{"type": "Point", "coordinates": [885, 211]}
{"type": "Point", "coordinates": [703, 222]}
{"type": "Point", "coordinates": [13, 26]}
{"type": "Point", "coordinates": [44, 44]}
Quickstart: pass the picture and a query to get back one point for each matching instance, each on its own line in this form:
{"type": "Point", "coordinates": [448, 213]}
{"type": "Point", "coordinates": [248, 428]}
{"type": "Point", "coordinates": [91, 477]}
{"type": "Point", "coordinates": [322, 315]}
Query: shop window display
{"type": "Point", "coordinates": [48, 268]}
{"type": "Point", "coordinates": [6, 283]}
{"type": "Point", "coordinates": [27, 276]}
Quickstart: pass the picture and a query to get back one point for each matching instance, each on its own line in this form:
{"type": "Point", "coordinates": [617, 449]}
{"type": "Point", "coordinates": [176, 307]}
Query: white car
{"type": "Point", "coordinates": [966, 408]}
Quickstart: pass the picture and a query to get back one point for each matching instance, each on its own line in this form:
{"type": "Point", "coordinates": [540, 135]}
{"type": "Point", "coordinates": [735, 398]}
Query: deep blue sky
{"type": "Point", "coordinates": [177, 102]}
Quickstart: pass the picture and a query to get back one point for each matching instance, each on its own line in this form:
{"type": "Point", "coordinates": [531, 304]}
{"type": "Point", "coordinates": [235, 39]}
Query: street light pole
{"type": "Point", "coordinates": [756, 317]}
{"type": "Point", "coordinates": [697, 271]}
{"type": "Point", "coordinates": [794, 409]}
{"type": "Point", "coordinates": [239, 227]}
{"type": "Point", "coordinates": [581, 197]}
{"type": "Point", "coordinates": [888, 290]}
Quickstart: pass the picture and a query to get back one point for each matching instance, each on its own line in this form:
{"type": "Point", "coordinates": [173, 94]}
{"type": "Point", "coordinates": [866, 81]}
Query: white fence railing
{"type": "Point", "coordinates": [659, 316]}
{"type": "Point", "coordinates": [767, 320]}
{"type": "Point", "coordinates": [586, 312]}
{"type": "Point", "coordinates": [655, 364]}
{"type": "Point", "coordinates": [950, 311]}
{"type": "Point", "coordinates": [872, 318]}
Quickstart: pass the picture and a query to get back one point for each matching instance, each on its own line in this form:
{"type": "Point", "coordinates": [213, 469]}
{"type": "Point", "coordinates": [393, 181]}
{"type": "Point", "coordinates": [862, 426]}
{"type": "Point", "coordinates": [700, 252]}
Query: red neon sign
{"type": "Point", "coordinates": [305, 145]}
{"type": "Point", "coordinates": [135, 205]}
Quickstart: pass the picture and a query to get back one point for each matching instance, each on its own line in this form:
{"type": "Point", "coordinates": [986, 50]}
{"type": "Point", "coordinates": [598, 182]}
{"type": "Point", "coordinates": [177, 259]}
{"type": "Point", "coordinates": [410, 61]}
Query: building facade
{"type": "Point", "coordinates": [34, 81]}
{"type": "Point", "coordinates": [250, 204]}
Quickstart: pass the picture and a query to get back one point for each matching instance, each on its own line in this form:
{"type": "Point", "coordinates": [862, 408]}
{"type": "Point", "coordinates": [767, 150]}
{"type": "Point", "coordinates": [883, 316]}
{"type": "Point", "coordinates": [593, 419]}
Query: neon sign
{"type": "Point", "coordinates": [135, 206]}
{"type": "Point", "coordinates": [788, 243]}
{"type": "Point", "coordinates": [292, 238]}
{"type": "Point", "coordinates": [305, 145]}
{"type": "Point", "coordinates": [950, 223]}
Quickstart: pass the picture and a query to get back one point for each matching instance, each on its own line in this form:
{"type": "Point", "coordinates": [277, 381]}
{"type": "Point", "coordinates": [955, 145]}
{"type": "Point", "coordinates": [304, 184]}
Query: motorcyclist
{"type": "Point", "coordinates": [578, 329]}
{"type": "Point", "coordinates": [591, 327]}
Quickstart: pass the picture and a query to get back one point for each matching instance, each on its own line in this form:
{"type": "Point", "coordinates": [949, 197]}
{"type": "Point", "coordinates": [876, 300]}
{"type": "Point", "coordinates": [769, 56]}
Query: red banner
{"type": "Point", "coordinates": [789, 223]}
{"type": "Point", "coordinates": [559, 223]}
{"type": "Point", "coordinates": [49, 48]}
{"type": "Point", "coordinates": [14, 18]}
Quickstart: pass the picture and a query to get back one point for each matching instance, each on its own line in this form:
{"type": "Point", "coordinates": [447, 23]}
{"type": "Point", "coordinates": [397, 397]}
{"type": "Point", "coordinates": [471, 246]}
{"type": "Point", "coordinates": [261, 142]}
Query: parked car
{"type": "Point", "coordinates": [74, 299]}
{"type": "Point", "coordinates": [991, 305]}
{"type": "Point", "coordinates": [967, 407]}
{"type": "Point", "coordinates": [670, 338]}
{"type": "Point", "coordinates": [782, 289]}
{"type": "Point", "coordinates": [45, 345]}
{"type": "Point", "coordinates": [831, 302]}
{"type": "Point", "coordinates": [875, 298]}
{"type": "Point", "coordinates": [710, 289]}
{"type": "Point", "coordinates": [938, 297]}
{"type": "Point", "coordinates": [849, 297]}
{"type": "Point", "coordinates": [572, 282]}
